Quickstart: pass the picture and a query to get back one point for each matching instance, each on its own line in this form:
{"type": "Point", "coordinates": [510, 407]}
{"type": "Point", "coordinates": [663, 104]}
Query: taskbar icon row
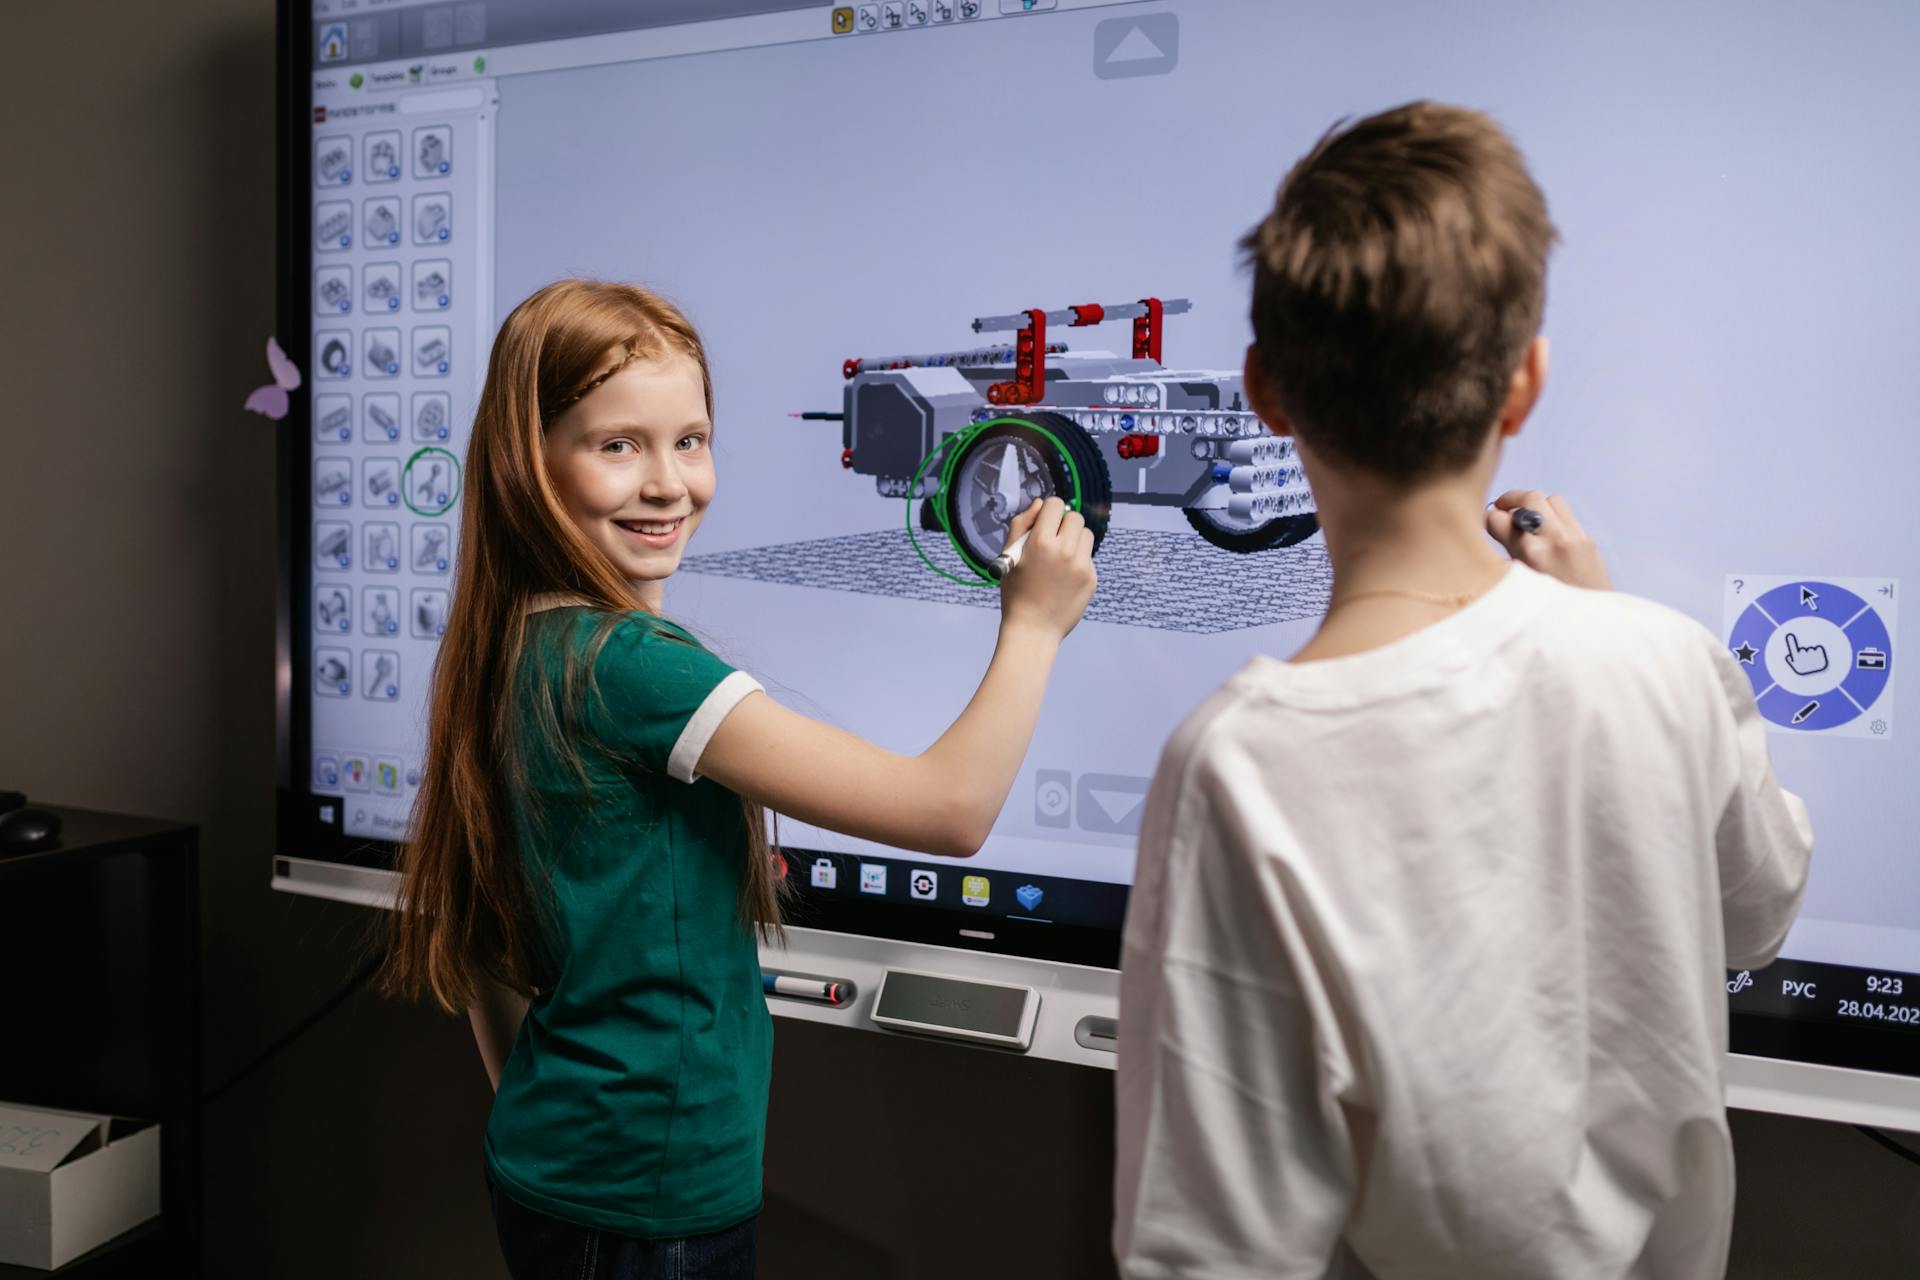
{"type": "Point", "coordinates": [1003, 894]}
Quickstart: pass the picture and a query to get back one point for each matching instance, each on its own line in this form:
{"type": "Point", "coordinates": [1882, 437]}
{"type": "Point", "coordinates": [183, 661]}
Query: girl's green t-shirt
{"type": "Point", "coordinates": [635, 1098]}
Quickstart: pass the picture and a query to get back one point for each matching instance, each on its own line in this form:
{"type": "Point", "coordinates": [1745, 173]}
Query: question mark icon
{"type": "Point", "coordinates": [1739, 585]}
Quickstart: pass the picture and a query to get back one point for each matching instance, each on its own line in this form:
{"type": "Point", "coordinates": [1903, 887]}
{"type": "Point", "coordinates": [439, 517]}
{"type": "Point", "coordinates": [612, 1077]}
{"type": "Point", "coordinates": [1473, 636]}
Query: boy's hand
{"type": "Point", "coordinates": [1560, 548]}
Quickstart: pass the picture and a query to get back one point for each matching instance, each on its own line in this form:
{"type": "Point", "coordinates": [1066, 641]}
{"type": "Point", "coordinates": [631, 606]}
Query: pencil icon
{"type": "Point", "coordinates": [1805, 711]}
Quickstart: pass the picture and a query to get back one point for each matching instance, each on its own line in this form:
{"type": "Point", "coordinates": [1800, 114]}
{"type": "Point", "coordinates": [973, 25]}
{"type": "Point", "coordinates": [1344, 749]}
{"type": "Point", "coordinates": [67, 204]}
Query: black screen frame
{"type": "Point", "coordinates": [301, 832]}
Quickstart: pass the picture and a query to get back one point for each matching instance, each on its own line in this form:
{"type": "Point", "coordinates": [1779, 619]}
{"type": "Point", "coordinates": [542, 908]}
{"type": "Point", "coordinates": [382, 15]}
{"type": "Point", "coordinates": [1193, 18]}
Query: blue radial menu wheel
{"type": "Point", "coordinates": [1007, 463]}
{"type": "Point", "coordinates": [1816, 654]}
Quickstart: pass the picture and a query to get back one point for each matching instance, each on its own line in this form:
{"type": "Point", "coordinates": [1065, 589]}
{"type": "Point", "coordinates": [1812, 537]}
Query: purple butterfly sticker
{"type": "Point", "coordinates": [271, 400]}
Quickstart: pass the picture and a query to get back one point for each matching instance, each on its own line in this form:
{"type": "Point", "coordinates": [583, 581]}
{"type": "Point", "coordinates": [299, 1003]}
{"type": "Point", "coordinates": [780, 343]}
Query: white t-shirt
{"type": "Point", "coordinates": [1423, 973]}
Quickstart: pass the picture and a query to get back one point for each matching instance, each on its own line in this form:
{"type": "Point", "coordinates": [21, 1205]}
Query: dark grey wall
{"type": "Point", "coordinates": [136, 674]}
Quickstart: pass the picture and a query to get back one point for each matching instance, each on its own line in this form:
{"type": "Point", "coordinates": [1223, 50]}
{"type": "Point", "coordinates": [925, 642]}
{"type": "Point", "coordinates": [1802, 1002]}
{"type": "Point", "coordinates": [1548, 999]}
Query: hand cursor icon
{"type": "Point", "coordinates": [1807, 660]}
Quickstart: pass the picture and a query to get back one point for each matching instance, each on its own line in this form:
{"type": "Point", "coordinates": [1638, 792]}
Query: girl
{"type": "Point", "coordinates": [589, 863]}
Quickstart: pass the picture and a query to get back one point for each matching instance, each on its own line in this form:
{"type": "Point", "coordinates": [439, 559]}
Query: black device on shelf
{"type": "Point", "coordinates": [101, 958]}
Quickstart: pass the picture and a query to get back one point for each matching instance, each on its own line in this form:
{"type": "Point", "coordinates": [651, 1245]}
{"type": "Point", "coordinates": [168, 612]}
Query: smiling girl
{"type": "Point", "coordinates": [589, 865]}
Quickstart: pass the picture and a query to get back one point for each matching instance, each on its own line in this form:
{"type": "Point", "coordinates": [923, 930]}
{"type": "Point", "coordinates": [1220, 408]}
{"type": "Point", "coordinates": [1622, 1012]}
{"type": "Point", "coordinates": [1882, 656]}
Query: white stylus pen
{"type": "Point", "coordinates": [1002, 564]}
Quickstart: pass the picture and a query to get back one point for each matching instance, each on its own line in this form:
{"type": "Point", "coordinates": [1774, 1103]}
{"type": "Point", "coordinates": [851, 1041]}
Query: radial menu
{"type": "Point", "coordinates": [402, 297]}
{"type": "Point", "coordinates": [1818, 651]}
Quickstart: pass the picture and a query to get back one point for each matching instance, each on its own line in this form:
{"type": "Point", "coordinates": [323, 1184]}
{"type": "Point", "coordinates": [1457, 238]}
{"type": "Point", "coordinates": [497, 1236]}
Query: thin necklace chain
{"type": "Point", "coordinates": [1459, 600]}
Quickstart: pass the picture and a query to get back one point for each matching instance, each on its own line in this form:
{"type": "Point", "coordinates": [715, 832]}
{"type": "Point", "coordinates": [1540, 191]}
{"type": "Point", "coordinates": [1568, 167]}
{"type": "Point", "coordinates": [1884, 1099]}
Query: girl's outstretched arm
{"type": "Point", "coordinates": [944, 800]}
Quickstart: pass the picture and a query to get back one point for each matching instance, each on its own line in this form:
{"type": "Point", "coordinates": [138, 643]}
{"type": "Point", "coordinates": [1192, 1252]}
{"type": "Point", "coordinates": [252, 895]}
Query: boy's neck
{"type": "Point", "coordinates": [1399, 556]}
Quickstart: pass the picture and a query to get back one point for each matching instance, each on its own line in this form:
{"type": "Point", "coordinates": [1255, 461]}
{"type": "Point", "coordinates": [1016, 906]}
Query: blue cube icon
{"type": "Point", "coordinates": [1029, 896]}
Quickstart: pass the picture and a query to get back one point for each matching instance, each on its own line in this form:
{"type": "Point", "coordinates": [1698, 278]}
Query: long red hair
{"type": "Point", "coordinates": [470, 912]}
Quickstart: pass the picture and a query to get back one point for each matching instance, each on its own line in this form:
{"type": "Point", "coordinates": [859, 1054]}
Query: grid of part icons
{"type": "Point", "coordinates": [386, 476]}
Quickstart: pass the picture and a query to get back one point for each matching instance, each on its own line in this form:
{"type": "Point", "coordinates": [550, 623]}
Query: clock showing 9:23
{"type": "Point", "coordinates": [1819, 652]}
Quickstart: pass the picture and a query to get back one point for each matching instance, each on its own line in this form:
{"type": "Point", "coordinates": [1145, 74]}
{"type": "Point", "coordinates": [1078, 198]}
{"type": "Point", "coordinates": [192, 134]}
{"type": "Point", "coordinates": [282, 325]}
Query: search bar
{"type": "Point", "coordinates": [413, 104]}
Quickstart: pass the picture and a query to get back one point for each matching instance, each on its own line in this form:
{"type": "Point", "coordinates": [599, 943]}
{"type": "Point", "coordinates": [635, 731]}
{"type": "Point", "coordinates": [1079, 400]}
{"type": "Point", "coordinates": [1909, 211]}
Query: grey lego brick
{"type": "Point", "coordinates": [1167, 581]}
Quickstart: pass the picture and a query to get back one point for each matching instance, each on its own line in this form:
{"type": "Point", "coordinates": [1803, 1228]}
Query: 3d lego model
{"type": "Point", "coordinates": [952, 428]}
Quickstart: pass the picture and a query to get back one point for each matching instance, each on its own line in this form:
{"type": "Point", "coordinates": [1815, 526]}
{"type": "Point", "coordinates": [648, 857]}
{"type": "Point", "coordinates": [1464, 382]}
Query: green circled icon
{"type": "Point", "coordinates": [433, 475]}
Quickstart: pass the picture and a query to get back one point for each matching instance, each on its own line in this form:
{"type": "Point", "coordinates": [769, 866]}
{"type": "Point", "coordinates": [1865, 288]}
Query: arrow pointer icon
{"type": "Point", "coordinates": [1810, 599]}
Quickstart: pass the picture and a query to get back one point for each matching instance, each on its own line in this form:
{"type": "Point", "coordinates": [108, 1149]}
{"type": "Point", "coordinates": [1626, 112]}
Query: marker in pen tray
{"type": "Point", "coordinates": [807, 986]}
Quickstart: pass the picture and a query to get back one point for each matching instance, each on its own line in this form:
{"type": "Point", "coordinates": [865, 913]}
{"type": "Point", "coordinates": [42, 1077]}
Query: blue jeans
{"type": "Point", "coordinates": [539, 1247]}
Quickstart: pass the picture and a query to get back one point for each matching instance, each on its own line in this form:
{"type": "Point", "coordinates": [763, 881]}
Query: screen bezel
{"type": "Point", "coordinates": [301, 833]}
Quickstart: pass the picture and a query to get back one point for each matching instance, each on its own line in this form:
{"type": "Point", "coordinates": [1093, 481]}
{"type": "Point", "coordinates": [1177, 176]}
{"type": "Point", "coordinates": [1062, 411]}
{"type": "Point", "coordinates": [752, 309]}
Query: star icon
{"type": "Point", "coordinates": [1746, 653]}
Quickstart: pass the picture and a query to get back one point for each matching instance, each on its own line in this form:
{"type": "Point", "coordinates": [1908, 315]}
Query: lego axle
{"type": "Point", "coordinates": [1028, 385]}
{"type": "Point", "coordinates": [1090, 313]}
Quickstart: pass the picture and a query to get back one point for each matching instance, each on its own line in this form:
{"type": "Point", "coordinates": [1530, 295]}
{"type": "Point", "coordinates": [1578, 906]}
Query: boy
{"type": "Point", "coordinates": [1424, 970]}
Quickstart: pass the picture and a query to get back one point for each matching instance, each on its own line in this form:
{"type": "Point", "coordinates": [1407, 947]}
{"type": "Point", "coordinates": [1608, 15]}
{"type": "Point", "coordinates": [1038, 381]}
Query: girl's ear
{"type": "Point", "coordinates": [1260, 395]}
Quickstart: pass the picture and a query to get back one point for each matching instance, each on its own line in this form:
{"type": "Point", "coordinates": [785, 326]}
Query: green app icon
{"type": "Point", "coordinates": [974, 890]}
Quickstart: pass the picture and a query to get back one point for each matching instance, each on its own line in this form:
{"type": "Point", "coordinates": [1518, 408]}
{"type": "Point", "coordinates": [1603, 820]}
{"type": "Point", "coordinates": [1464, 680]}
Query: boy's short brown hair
{"type": "Point", "coordinates": [1396, 285]}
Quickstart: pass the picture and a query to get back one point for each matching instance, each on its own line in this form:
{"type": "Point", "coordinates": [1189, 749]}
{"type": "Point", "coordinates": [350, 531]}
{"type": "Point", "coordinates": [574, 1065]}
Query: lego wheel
{"type": "Point", "coordinates": [1008, 463]}
{"type": "Point", "coordinates": [1229, 534]}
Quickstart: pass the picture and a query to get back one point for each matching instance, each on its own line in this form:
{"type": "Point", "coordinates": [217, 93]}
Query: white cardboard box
{"type": "Point", "coordinates": [70, 1182]}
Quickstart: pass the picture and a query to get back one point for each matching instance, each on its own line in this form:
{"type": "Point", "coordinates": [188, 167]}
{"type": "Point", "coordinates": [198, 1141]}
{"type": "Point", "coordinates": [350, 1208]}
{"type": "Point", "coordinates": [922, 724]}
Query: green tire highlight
{"type": "Point", "coordinates": [953, 446]}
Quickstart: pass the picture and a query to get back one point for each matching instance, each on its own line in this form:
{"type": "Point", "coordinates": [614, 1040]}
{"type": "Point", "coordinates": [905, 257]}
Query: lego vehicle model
{"type": "Point", "coordinates": [1087, 426]}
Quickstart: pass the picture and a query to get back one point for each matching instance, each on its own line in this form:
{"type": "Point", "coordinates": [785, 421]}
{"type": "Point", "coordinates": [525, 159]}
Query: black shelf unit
{"type": "Point", "coordinates": [100, 955]}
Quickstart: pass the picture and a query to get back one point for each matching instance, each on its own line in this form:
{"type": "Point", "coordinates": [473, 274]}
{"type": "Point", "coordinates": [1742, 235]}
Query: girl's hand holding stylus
{"type": "Point", "coordinates": [1050, 586]}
